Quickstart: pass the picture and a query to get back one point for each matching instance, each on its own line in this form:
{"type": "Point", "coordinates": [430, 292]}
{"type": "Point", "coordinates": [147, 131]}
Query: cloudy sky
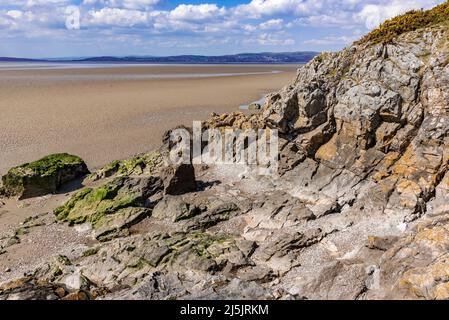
{"type": "Point", "coordinates": [73, 28]}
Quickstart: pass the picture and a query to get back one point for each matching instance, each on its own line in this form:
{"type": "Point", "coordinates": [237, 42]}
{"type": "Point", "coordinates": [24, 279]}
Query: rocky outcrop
{"type": "Point", "coordinates": [359, 209]}
{"type": "Point", "coordinates": [373, 112]}
{"type": "Point", "coordinates": [44, 176]}
{"type": "Point", "coordinates": [115, 206]}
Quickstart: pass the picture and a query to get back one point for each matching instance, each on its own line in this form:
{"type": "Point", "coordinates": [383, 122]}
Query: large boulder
{"type": "Point", "coordinates": [44, 176]}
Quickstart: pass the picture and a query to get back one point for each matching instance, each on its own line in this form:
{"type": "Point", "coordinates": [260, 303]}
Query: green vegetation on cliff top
{"type": "Point", "coordinates": [410, 21]}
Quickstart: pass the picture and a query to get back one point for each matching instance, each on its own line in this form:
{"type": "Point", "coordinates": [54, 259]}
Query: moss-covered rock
{"type": "Point", "coordinates": [147, 164]}
{"type": "Point", "coordinates": [44, 176]}
{"type": "Point", "coordinates": [112, 207]}
{"type": "Point", "coordinates": [178, 179]}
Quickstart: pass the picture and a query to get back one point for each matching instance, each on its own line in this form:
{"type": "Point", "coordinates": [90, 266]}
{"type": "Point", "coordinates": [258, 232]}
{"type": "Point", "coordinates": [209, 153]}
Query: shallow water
{"type": "Point", "coordinates": [111, 71]}
{"type": "Point", "coordinates": [261, 101]}
{"type": "Point", "coordinates": [73, 65]}
{"type": "Point", "coordinates": [132, 76]}
{"type": "Point", "coordinates": [100, 65]}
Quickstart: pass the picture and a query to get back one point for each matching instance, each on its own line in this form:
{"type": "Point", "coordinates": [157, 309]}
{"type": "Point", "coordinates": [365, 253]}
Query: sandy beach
{"type": "Point", "coordinates": [112, 112]}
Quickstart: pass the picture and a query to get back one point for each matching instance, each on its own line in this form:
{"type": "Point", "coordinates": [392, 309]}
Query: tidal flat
{"type": "Point", "coordinates": [107, 112]}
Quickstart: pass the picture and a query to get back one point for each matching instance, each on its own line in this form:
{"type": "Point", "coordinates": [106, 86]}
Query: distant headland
{"type": "Point", "coordinates": [242, 58]}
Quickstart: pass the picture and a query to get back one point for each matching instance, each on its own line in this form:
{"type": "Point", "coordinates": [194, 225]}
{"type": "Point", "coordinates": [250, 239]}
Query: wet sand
{"type": "Point", "coordinates": [113, 112]}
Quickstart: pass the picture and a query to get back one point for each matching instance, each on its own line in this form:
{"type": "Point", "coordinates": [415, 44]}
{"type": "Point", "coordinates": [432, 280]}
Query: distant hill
{"type": "Point", "coordinates": [266, 57]}
{"type": "Point", "coordinates": [7, 59]}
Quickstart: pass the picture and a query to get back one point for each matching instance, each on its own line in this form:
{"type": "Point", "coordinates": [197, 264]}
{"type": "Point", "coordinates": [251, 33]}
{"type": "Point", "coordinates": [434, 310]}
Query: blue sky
{"type": "Point", "coordinates": [71, 28]}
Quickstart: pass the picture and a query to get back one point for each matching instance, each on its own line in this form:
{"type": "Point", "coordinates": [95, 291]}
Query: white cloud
{"type": "Point", "coordinates": [256, 22]}
{"type": "Point", "coordinates": [6, 21]}
{"type": "Point", "coordinates": [15, 14]}
{"type": "Point", "coordinates": [331, 40]}
{"type": "Point", "coordinates": [206, 16]}
{"type": "Point", "coordinates": [267, 39]}
{"type": "Point", "coordinates": [273, 24]}
{"type": "Point", "coordinates": [332, 13]}
{"type": "Point", "coordinates": [249, 27]}
{"type": "Point", "coordinates": [191, 12]}
{"type": "Point", "coordinates": [342, 18]}
{"type": "Point", "coordinates": [29, 20]}
{"type": "Point", "coordinates": [117, 17]}
{"type": "Point", "coordinates": [202, 18]}
{"type": "Point", "coordinates": [136, 4]}
{"type": "Point", "coordinates": [270, 39]}
{"type": "Point", "coordinates": [260, 8]}
{"type": "Point", "coordinates": [31, 3]}
{"type": "Point", "coordinates": [128, 4]}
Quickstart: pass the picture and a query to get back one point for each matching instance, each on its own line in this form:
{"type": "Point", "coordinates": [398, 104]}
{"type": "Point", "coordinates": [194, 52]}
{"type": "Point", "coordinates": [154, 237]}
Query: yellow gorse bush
{"type": "Point", "coordinates": [410, 21]}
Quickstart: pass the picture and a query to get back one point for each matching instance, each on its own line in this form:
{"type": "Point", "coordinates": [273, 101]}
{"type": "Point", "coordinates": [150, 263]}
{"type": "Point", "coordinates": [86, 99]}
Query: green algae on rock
{"type": "Point", "coordinates": [113, 207]}
{"type": "Point", "coordinates": [44, 176]}
{"type": "Point", "coordinates": [146, 163]}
